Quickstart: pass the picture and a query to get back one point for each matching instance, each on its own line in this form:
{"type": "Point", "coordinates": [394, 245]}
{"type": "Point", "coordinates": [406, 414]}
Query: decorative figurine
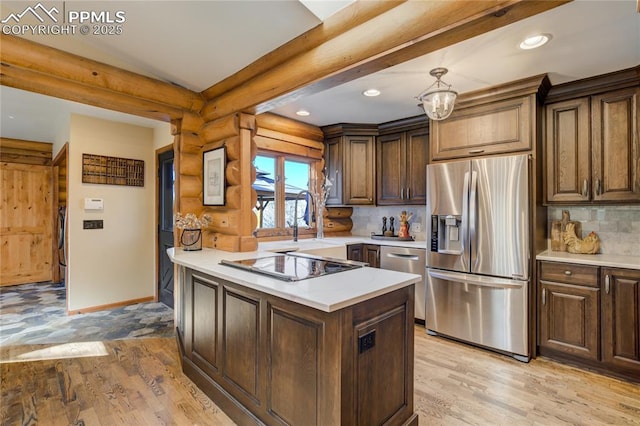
{"type": "Point", "coordinates": [404, 224]}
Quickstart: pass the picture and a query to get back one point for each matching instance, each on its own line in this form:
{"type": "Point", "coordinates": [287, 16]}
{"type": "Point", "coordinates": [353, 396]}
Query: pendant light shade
{"type": "Point", "coordinates": [438, 100]}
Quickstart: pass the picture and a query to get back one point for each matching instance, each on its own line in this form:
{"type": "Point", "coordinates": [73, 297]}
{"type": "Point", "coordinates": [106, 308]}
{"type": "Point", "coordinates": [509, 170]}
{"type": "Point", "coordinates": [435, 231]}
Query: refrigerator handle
{"type": "Point", "coordinates": [477, 280]}
{"type": "Point", "coordinates": [473, 209]}
{"type": "Point", "coordinates": [465, 213]}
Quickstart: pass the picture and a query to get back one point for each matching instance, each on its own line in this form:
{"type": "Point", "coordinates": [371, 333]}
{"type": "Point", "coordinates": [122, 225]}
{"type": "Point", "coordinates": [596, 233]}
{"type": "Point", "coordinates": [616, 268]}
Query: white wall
{"type": "Point", "coordinates": [162, 135]}
{"type": "Point", "coordinates": [115, 264]}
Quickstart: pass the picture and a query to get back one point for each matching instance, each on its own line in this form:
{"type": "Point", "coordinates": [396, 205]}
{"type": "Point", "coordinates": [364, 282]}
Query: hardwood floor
{"type": "Point", "coordinates": [139, 382]}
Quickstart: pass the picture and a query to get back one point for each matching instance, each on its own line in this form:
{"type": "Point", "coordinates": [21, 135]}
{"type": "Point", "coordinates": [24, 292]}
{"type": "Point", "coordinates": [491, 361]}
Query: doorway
{"type": "Point", "coordinates": [166, 178]}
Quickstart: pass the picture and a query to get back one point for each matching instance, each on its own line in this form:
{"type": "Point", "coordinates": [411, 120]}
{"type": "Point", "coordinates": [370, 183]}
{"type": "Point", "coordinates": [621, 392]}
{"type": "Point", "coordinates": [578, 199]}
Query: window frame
{"type": "Point", "coordinates": [281, 229]}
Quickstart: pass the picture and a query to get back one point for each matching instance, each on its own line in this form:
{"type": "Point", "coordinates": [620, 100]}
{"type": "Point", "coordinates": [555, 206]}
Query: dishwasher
{"type": "Point", "coordinates": [410, 260]}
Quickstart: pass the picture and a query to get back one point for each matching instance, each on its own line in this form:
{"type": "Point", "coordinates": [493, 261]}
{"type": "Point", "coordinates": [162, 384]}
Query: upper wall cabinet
{"type": "Point", "coordinates": [402, 156]}
{"type": "Point", "coordinates": [591, 140]}
{"type": "Point", "coordinates": [349, 162]}
{"type": "Point", "coordinates": [496, 120]}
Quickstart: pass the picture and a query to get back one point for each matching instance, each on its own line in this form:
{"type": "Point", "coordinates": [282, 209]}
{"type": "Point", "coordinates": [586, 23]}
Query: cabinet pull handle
{"type": "Point", "coordinates": [476, 151]}
{"type": "Point", "coordinates": [544, 296]}
{"type": "Point", "coordinates": [598, 187]}
{"type": "Point", "coordinates": [607, 284]}
{"type": "Point", "coordinates": [408, 196]}
{"type": "Point", "coordinates": [567, 273]}
{"type": "Point", "coordinates": [402, 193]}
{"type": "Point", "coordinates": [585, 188]}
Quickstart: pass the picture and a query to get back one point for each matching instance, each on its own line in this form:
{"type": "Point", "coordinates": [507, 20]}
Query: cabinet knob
{"type": "Point", "coordinates": [567, 273]}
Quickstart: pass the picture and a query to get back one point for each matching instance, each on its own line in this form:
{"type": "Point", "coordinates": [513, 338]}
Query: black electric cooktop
{"type": "Point", "coordinates": [294, 267]}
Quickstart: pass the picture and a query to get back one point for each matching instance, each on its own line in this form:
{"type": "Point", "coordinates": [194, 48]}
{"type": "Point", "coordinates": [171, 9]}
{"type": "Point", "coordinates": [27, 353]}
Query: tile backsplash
{"type": "Point", "coordinates": [369, 219]}
{"type": "Point", "coordinates": [618, 227]}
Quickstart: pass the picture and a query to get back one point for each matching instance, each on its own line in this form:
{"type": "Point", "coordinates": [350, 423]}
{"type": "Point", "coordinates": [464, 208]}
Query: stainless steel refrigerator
{"type": "Point", "coordinates": [478, 254]}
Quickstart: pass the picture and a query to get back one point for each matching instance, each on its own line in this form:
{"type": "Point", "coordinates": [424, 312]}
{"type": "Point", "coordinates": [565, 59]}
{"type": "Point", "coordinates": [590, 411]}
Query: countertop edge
{"type": "Point", "coordinates": [323, 293]}
{"type": "Point", "coordinates": [608, 260]}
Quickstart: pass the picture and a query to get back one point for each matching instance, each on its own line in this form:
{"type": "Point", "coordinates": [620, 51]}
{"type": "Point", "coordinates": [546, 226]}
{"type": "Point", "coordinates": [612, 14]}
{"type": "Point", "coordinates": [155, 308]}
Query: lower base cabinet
{"type": "Point", "coordinates": [266, 360]}
{"type": "Point", "coordinates": [590, 315]}
{"type": "Point", "coordinates": [621, 320]}
{"type": "Point", "coordinates": [369, 253]}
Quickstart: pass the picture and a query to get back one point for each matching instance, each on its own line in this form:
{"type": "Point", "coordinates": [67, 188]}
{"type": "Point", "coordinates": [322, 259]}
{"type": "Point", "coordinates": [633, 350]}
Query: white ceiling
{"type": "Point", "coordinates": [198, 43]}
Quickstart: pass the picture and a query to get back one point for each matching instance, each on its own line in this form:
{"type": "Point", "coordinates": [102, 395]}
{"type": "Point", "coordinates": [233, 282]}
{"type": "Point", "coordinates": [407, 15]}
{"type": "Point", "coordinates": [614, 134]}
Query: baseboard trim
{"type": "Point", "coordinates": [110, 305]}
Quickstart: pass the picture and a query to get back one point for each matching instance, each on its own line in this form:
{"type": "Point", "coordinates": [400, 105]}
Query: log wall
{"type": "Point", "coordinates": [25, 152]}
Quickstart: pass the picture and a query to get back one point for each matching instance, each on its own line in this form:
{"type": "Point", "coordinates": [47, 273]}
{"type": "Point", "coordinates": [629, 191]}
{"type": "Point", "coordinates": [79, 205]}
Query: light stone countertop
{"type": "Point", "coordinates": [313, 243]}
{"type": "Point", "coordinates": [615, 261]}
{"type": "Point", "coordinates": [326, 293]}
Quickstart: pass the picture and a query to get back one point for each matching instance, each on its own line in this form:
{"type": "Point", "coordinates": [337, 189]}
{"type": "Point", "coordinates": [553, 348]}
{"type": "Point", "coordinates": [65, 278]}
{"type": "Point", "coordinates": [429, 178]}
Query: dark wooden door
{"type": "Point", "coordinates": [569, 319]}
{"type": "Point", "coordinates": [371, 255]}
{"type": "Point", "coordinates": [616, 146]}
{"type": "Point", "coordinates": [391, 170]}
{"type": "Point", "coordinates": [333, 164]}
{"type": "Point", "coordinates": [417, 155]}
{"type": "Point", "coordinates": [165, 226]}
{"type": "Point", "coordinates": [568, 151]}
{"type": "Point", "coordinates": [621, 319]}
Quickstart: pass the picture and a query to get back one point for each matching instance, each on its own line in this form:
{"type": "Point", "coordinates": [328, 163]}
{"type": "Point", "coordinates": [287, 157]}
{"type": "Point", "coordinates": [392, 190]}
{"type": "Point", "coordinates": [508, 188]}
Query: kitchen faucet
{"type": "Point", "coordinates": [295, 212]}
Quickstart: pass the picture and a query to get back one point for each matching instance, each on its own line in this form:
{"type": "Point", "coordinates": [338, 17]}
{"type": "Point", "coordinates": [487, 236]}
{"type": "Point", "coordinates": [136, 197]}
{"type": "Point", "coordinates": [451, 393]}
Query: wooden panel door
{"type": "Point", "coordinates": [165, 226]}
{"type": "Point", "coordinates": [26, 223]}
{"type": "Point", "coordinates": [568, 156]}
{"type": "Point", "coordinates": [371, 255]}
{"type": "Point", "coordinates": [569, 319]}
{"type": "Point", "coordinates": [616, 146]}
{"type": "Point", "coordinates": [354, 252]}
{"type": "Point", "coordinates": [204, 322]}
{"type": "Point", "coordinates": [358, 170]}
{"type": "Point", "coordinates": [621, 319]}
{"type": "Point", "coordinates": [391, 170]}
{"type": "Point", "coordinates": [333, 162]}
{"type": "Point", "coordinates": [417, 155]}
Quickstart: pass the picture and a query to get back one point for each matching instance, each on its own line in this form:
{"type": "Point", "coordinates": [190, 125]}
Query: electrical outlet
{"type": "Point", "coordinates": [367, 341]}
{"type": "Point", "coordinates": [417, 227]}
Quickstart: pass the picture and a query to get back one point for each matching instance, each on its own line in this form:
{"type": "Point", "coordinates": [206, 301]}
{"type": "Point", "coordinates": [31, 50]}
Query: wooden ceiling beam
{"type": "Point", "coordinates": [78, 74]}
{"type": "Point", "coordinates": [406, 31]}
{"type": "Point", "coordinates": [49, 85]}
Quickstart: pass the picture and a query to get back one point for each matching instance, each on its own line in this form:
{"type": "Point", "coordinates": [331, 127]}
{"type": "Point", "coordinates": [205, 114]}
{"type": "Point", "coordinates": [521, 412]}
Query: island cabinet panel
{"type": "Point", "coordinates": [204, 325]}
{"type": "Point", "coordinates": [621, 320]}
{"type": "Point", "coordinates": [368, 253]}
{"type": "Point", "coordinates": [388, 353]}
{"type": "Point", "coordinates": [294, 345]}
{"type": "Point", "coordinates": [240, 341]}
{"type": "Point", "coordinates": [267, 360]}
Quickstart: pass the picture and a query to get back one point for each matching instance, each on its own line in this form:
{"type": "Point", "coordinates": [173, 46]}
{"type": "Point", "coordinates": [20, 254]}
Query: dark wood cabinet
{"type": "Point", "coordinates": [369, 253]}
{"type": "Point", "coordinates": [592, 143]}
{"type": "Point", "coordinates": [621, 320]}
{"type": "Point", "coordinates": [402, 153]}
{"type": "Point", "coordinates": [266, 360]}
{"type": "Point", "coordinates": [590, 314]}
{"type": "Point", "coordinates": [569, 308]}
{"type": "Point", "coordinates": [350, 163]}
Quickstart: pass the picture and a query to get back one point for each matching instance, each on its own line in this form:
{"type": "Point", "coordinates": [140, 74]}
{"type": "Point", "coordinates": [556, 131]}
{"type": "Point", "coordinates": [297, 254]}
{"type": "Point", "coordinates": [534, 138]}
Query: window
{"type": "Point", "coordinates": [279, 180]}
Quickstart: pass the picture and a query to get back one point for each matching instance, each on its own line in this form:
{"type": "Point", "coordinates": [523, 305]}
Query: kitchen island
{"type": "Point", "coordinates": [337, 349]}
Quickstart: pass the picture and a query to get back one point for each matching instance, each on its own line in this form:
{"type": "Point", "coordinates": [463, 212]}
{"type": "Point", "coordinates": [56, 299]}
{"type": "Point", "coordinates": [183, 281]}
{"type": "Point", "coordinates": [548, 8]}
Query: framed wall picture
{"type": "Point", "coordinates": [213, 178]}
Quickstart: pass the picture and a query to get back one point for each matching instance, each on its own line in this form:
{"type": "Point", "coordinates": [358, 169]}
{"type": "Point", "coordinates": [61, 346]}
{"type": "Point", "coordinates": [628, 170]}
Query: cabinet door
{"type": "Point", "coordinates": [354, 252]}
{"type": "Point", "coordinates": [390, 171]}
{"type": "Point", "coordinates": [358, 170]}
{"type": "Point", "coordinates": [621, 319]}
{"type": "Point", "coordinates": [492, 128]}
{"type": "Point", "coordinates": [569, 319]}
{"type": "Point", "coordinates": [371, 255]}
{"type": "Point", "coordinates": [333, 162]}
{"type": "Point", "coordinates": [616, 148]}
{"type": "Point", "coordinates": [568, 157]}
{"type": "Point", "coordinates": [417, 155]}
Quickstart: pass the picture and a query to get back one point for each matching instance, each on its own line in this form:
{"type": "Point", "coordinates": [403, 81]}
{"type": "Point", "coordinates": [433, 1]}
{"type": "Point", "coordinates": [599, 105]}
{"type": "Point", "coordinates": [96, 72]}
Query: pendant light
{"type": "Point", "coordinates": [438, 101]}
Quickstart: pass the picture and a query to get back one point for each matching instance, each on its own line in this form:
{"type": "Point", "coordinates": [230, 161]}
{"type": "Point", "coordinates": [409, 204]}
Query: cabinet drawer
{"type": "Point", "coordinates": [569, 273]}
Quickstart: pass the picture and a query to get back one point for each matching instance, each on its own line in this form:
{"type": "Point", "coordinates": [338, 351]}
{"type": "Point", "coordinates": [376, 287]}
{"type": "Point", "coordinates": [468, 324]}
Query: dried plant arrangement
{"type": "Point", "coordinates": [191, 221]}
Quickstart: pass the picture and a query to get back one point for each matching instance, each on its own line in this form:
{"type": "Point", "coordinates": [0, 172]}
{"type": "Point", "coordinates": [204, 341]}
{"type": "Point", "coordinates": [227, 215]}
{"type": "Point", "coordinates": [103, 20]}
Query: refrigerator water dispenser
{"type": "Point", "coordinates": [446, 235]}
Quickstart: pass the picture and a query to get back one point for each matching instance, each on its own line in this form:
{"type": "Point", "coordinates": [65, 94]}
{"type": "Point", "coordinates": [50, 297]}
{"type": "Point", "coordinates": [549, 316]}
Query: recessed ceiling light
{"type": "Point", "coordinates": [371, 92]}
{"type": "Point", "coordinates": [534, 41]}
{"type": "Point", "coordinates": [303, 113]}
{"type": "Point", "coordinates": [12, 117]}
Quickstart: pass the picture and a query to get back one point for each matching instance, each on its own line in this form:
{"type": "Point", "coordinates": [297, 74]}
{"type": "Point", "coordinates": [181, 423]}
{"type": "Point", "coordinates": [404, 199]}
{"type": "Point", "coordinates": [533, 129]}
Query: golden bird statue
{"type": "Point", "coordinates": [588, 245]}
